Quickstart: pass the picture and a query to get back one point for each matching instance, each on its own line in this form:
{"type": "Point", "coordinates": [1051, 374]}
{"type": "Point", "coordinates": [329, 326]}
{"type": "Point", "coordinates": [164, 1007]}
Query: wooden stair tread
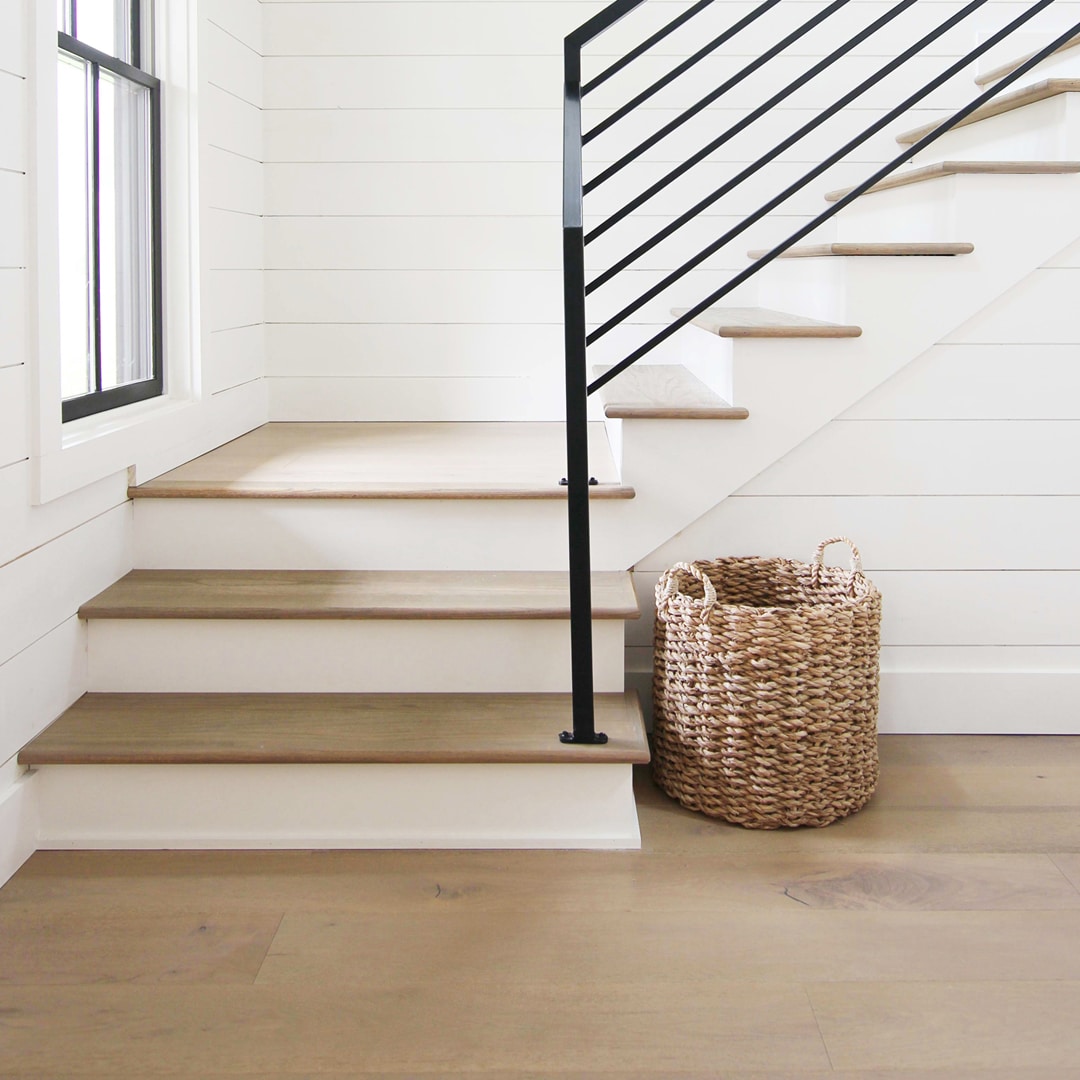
{"type": "Point", "coordinates": [1016, 99]}
{"type": "Point", "coordinates": [385, 460]}
{"type": "Point", "coordinates": [953, 168]}
{"type": "Point", "coordinates": [212, 729]}
{"type": "Point", "coordinates": [355, 594]}
{"type": "Point", "coordinates": [766, 323]}
{"type": "Point", "coordinates": [994, 74]}
{"type": "Point", "coordinates": [663, 392]}
{"type": "Point", "coordinates": [819, 251]}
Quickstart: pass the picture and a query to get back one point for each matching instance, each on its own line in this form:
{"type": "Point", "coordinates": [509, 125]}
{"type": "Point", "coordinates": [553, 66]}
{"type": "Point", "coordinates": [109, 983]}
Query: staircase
{"type": "Point", "coordinates": [358, 634]}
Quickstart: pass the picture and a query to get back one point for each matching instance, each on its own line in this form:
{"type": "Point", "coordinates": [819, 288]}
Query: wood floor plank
{"type": "Point", "coordinates": [355, 594]}
{"type": "Point", "coordinates": [679, 947]}
{"type": "Point", "coordinates": [979, 786]}
{"type": "Point", "coordinates": [1069, 864]}
{"type": "Point", "coordinates": [38, 949]}
{"type": "Point", "coordinates": [665, 826]}
{"type": "Point", "coordinates": [456, 1025]}
{"type": "Point", "coordinates": [63, 884]}
{"type": "Point", "coordinates": [789, 1073]}
{"type": "Point", "coordinates": [945, 1026]}
{"type": "Point", "coordinates": [992, 750]}
{"type": "Point", "coordinates": [180, 729]}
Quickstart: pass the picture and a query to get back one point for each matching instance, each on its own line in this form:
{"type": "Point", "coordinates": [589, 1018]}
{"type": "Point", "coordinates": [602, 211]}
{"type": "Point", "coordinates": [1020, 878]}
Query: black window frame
{"type": "Point", "coordinates": [98, 400]}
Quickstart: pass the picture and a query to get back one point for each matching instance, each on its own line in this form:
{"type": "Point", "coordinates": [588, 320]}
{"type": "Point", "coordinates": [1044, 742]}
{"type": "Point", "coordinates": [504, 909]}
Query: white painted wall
{"type": "Point", "coordinates": [412, 183]}
{"type": "Point", "coordinates": [65, 522]}
{"type": "Point", "coordinates": [959, 479]}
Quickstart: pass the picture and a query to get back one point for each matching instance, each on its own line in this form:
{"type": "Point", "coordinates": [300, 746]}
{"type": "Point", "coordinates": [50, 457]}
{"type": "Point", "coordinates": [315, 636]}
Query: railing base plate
{"type": "Point", "coordinates": [596, 739]}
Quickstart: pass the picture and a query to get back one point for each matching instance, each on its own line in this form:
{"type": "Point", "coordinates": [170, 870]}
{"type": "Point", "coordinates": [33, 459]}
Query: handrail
{"type": "Point", "coordinates": [578, 387]}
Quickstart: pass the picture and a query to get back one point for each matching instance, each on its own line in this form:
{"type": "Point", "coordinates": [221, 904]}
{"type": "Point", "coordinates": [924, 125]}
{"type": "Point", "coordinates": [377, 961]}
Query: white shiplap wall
{"type": "Point", "coordinates": [412, 182]}
{"type": "Point", "coordinates": [959, 478]}
{"type": "Point", "coordinates": [56, 555]}
{"type": "Point", "coordinates": [231, 167]}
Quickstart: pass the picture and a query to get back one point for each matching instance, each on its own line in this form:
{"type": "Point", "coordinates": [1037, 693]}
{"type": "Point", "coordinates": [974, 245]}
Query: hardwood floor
{"type": "Point", "coordinates": [935, 934]}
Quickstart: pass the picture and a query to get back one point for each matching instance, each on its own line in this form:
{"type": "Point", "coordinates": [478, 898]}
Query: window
{"type": "Point", "coordinates": [109, 112]}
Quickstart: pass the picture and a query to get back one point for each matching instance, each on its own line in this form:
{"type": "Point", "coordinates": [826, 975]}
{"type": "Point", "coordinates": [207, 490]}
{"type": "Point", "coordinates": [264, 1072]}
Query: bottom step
{"type": "Point", "coordinates": [334, 771]}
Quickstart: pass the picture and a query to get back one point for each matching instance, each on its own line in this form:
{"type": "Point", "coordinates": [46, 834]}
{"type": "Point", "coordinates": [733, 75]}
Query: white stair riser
{"type": "Point", "coordinates": [1043, 131]}
{"type": "Point", "coordinates": [336, 806]}
{"type": "Point", "coordinates": [344, 656]}
{"type": "Point", "coordinates": [350, 534]}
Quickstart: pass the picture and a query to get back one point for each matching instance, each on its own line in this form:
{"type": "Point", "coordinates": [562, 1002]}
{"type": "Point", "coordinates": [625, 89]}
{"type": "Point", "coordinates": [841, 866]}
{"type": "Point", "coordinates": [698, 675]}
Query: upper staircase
{"type": "Point", "coordinates": [344, 635]}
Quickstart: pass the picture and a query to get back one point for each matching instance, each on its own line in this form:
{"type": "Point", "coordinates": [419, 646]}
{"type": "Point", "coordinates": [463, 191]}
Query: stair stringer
{"type": "Point", "coordinates": [793, 388]}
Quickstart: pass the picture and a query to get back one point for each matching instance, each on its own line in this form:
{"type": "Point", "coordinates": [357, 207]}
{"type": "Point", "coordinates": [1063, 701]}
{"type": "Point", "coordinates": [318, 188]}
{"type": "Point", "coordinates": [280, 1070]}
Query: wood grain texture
{"type": "Point", "coordinates": [352, 949]}
{"type": "Point", "coordinates": [271, 489]}
{"type": "Point", "coordinates": [414, 1029]}
{"type": "Point", "coordinates": [765, 323]}
{"type": "Point", "coordinates": [1002, 70]}
{"type": "Point", "coordinates": [60, 884]}
{"type": "Point", "coordinates": [180, 729]}
{"type": "Point", "coordinates": [954, 168]}
{"type": "Point", "coordinates": [1016, 99]}
{"type": "Point", "coordinates": [44, 950]}
{"type": "Point", "coordinates": [950, 1025]}
{"type": "Point", "coordinates": [389, 461]}
{"type": "Point", "coordinates": [837, 250]}
{"type": "Point", "coordinates": [355, 594]}
{"type": "Point", "coordinates": [663, 392]}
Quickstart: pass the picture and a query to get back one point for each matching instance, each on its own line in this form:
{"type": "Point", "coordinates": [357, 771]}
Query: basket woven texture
{"type": "Point", "coordinates": [765, 688]}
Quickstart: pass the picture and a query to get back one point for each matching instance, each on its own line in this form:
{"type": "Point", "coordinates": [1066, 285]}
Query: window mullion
{"type": "Point", "coordinates": [95, 217]}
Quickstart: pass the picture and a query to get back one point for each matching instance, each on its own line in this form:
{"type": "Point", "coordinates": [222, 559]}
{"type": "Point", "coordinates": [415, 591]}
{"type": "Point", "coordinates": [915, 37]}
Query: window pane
{"type": "Point", "coordinates": [125, 228]}
{"type": "Point", "coordinates": [106, 25]}
{"type": "Point", "coordinates": [76, 342]}
{"type": "Point", "coordinates": [63, 16]}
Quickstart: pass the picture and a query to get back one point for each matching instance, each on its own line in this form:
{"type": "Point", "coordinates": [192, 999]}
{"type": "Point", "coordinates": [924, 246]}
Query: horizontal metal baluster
{"type": "Point", "coordinates": [708, 99]}
{"type": "Point", "coordinates": [905, 155]}
{"type": "Point", "coordinates": [675, 72]}
{"type": "Point", "coordinates": [645, 46]}
{"type": "Point", "coordinates": [702, 255]}
{"type": "Point", "coordinates": [735, 129]}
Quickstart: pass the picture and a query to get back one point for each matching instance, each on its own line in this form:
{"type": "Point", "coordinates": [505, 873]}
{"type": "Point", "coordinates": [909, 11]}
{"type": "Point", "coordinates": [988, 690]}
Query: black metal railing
{"type": "Point", "coordinates": [575, 238]}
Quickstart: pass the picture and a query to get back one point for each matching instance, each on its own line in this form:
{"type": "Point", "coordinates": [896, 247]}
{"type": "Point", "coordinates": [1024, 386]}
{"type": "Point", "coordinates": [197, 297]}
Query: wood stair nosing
{"type": "Point", "coordinates": [955, 168]}
{"type": "Point", "coordinates": [355, 594]}
{"type": "Point", "coordinates": [872, 250]}
{"type": "Point", "coordinates": [1016, 99]}
{"type": "Point", "coordinates": [994, 74]}
{"type": "Point", "coordinates": [249, 489]}
{"type": "Point", "coordinates": [663, 392]}
{"type": "Point", "coordinates": [282, 729]}
{"type": "Point", "coordinates": [766, 323]}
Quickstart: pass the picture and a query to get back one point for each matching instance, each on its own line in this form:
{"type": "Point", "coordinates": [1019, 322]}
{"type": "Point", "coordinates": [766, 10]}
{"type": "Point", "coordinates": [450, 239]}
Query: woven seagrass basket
{"type": "Point", "coordinates": [765, 688]}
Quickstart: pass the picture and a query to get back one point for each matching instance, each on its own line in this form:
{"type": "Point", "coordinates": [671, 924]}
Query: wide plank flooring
{"type": "Point", "coordinates": [933, 935]}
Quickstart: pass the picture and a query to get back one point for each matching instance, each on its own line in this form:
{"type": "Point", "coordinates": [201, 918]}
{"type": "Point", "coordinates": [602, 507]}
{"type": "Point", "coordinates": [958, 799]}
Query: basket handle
{"type": "Point", "coordinates": [671, 583]}
{"type": "Point", "coordinates": [819, 557]}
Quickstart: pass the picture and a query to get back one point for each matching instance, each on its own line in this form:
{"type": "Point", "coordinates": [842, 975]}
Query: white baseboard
{"type": "Point", "coordinates": [980, 703]}
{"type": "Point", "coordinates": [18, 825]}
{"type": "Point", "coordinates": [337, 806]}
